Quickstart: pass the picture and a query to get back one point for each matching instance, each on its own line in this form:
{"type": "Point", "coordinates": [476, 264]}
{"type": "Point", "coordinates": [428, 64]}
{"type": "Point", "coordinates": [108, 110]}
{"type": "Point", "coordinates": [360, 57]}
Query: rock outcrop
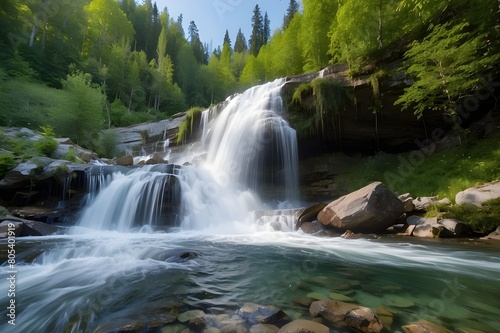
{"type": "Point", "coordinates": [479, 194]}
{"type": "Point", "coordinates": [373, 208]}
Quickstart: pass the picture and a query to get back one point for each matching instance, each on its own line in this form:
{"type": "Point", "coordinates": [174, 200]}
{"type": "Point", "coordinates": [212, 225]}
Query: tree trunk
{"type": "Point", "coordinates": [44, 35]}
{"type": "Point", "coordinates": [379, 38]}
{"type": "Point", "coordinates": [130, 99]}
{"type": "Point", "coordinates": [33, 31]}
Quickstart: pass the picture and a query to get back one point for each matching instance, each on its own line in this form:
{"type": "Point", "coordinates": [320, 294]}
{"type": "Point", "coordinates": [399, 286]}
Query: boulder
{"type": "Point", "coordinates": [303, 326]}
{"type": "Point", "coordinates": [35, 228]}
{"type": "Point", "coordinates": [364, 320]}
{"type": "Point", "coordinates": [334, 311]}
{"type": "Point", "coordinates": [65, 145]}
{"type": "Point", "coordinates": [495, 235]}
{"type": "Point", "coordinates": [370, 209]}
{"type": "Point", "coordinates": [409, 206]}
{"type": "Point", "coordinates": [156, 159]}
{"type": "Point", "coordinates": [425, 227]}
{"type": "Point", "coordinates": [479, 194]}
{"type": "Point", "coordinates": [423, 203]}
{"type": "Point", "coordinates": [23, 173]}
{"type": "Point", "coordinates": [125, 161]}
{"type": "Point", "coordinates": [424, 326]}
{"type": "Point", "coordinates": [432, 228]}
{"type": "Point", "coordinates": [458, 228]}
{"type": "Point", "coordinates": [255, 314]}
{"type": "Point", "coordinates": [197, 324]}
{"type": "Point", "coordinates": [189, 315]}
{"type": "Point", "coordinates": [359, 318]}
{"type": "Point", "coordinates": [7, 225]}
{"type": "Point", "coordinates": [311, 228]}
{"type": "Point", "coordinates": [310, 214]}
{"type": "Point", "coordinates": [264, 328]}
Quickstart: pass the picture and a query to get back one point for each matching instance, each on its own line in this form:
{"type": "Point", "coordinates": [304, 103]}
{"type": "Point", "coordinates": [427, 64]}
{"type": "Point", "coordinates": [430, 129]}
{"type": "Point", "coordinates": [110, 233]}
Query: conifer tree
{"type": "Point", "coordinates": [240, 45]}
{"type": "Point", "coordinates": [293, 8]}
{"type": "Point", "coordinates": [256, 39]}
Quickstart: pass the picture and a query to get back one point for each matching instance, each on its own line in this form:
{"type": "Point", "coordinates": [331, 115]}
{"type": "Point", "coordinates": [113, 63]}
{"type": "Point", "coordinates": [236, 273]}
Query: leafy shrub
{"type": "Point", "coordinates": [71, 155]}
{"type": "Point", "coordinates": [7, 163]}
{"type": "Point", "coordinates": [106, 144]}
{"type": "Point", "coordinates": [47, 145]}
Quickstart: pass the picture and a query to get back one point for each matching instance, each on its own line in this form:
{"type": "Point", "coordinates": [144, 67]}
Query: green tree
{"type": "Point", "coordinates": [257, 37]}
{"type": "Point", "coordinates": [227, 40]}
{"type": "Point", "coordinates": [81, 117]}
{"type": "Point", "coordinates": [293, 8]}
{"type": "Point", "coordinates": [196, 45]}
{"type": "Point", "coordinates": [316, 22]}
{"type": "Point", "coordinates": [189, 76]}
{"type": "Point", "coordinates": [240, 45]}
{"type": "Point", "coordinates": [107, 24]}
{"type": "Point", "coordinates": [253, 73]}
{"type": "Point", "coordinates": [447, 66]}
{"type": "Point", "coordinates": [266, 30]}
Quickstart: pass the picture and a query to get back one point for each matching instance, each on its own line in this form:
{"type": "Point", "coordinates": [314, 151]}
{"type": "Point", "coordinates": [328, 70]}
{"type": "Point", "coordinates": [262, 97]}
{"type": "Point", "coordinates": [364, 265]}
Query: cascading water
{"type": "Point", "coordinates": [250, 148]}
{"type": "Point", "coordinates": [250, 142]}
{"type": "Point", "coordinates": [227, 251]}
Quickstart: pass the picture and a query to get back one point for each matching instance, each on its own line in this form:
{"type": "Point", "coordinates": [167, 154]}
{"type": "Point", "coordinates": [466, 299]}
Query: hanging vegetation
{"type": "Point", "coordinates": [322, 99]}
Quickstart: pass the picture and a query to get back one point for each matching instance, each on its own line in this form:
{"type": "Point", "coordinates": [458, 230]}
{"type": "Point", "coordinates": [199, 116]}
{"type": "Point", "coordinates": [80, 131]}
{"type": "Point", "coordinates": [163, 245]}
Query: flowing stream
{"type": "Point", "coordinates": [228, 243]}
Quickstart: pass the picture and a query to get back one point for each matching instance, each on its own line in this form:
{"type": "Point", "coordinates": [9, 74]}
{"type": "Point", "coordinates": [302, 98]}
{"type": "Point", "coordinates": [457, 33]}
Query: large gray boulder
{"type": "Point", "coordinates": [373, 208]}
{"type": "Point", "coordinates": [479, 194]}
{"type": "Point", "coordinates": [25, 172]}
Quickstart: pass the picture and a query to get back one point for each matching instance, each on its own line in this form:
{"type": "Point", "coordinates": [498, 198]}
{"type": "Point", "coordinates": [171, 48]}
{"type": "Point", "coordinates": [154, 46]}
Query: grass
{"type": "Point", "coordinates": [441, 174]}
{"type": "Point", "coordinates": [483, 219]}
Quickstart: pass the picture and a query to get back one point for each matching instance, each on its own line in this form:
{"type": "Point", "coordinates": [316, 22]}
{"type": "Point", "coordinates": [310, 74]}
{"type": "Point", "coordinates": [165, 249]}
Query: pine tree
{"type": "Point", "coordinates": [256, 39]}
{"type": "Point", "coordinates": [266, 32]}
{"type": "Point", "coordinates": [293, 8]}
{"type": "Point", "coordinates": [240, 45]}
{"type": "Point", "coordinates": [196, 45]}
{"type": "Point", "coordinates": [227, 40]}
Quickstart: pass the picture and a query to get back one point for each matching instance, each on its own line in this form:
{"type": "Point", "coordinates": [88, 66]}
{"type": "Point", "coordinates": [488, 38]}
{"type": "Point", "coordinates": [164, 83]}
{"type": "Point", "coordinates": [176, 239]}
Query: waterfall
{"type": "Point", "coordinates": [252, 145]}
{"type": "Point", "coordinates": [250, 151]}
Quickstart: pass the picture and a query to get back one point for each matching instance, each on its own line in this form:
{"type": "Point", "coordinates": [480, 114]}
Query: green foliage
{"type": "Point", "coordinates": [106, 144]}
{"type": "Point", "coordinates": [81, 117]}
{"type": "Point", "coordinates": [322, 100]}
{"type": "Point", "coordinates": [193, 116]}
{"type": "Point", "coordinates": [47, 145]}
{"type": "Point", "coordinates": [318, 16]}
{"type": "Point", "coordinates": [7, 163]}
{"type": "Point", "coordinates": [483, 219]}
{"type": "Point", "coordinates": [71, 155]}
{"type": "Point", "coordinates": [446, 66]}
{"type": "Point", "coordinates": [3, 211]}
{"type": "Point", "coordinates": [424, 173]}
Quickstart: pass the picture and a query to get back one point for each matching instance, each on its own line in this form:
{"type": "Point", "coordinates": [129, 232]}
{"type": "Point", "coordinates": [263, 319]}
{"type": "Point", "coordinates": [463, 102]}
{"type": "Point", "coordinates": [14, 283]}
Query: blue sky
{"type": "Point", "coordinates": [213, 17]}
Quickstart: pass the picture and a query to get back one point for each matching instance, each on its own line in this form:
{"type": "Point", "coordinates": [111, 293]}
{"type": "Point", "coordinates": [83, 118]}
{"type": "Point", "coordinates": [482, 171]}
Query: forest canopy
{"type": "Point", "coordinates": [116, 63]}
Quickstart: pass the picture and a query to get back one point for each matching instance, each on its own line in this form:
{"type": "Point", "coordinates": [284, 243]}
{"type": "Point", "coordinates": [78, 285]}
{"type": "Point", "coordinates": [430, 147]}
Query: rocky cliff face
{"type": "Point", "coordinates": [367, 121]}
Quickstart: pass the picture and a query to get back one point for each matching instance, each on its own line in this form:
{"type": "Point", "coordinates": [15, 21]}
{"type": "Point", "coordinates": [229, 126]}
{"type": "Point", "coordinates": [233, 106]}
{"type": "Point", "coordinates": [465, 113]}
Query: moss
{"type": "Point", "coordinates": [317, 115]}
{"type": "Point", "coordinates": [193, 116]}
